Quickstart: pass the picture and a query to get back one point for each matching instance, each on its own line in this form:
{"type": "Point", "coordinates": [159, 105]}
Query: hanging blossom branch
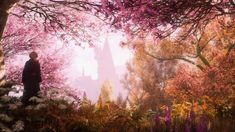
{"type": "Point", "coordinates": [164, 17]}
{"type": "Point", "coordinates": [41, 12]}
{"type": "Point", "coordinates": [60, 19]}
{"type": "Point", "coordinates": [52, 13]}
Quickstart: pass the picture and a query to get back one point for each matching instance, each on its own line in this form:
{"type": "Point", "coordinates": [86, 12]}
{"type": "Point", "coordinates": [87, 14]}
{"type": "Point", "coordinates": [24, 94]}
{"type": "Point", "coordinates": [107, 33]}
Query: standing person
{"type": "Point", "coordinates": [31, 78]}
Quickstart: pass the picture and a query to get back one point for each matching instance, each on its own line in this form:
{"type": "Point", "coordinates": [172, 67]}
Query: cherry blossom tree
{"type": "Point", "coordinates": [75, 27]}
{"type": "Point", "coordinates": [53, 16]}
{"type": "Point", "coordinates": [215, 83]}
{"type": "Point", "coordinates": [49, 12]}
{"type": "Point", "coordinates": [162, 17]}
{"type": "Point", "coordinates": [52, 61]}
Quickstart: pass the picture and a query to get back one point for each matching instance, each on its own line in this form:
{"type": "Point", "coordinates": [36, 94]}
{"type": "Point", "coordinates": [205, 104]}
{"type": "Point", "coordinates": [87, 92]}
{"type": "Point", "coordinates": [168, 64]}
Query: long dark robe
{"type": "Point", "coordinates": [31, 79]}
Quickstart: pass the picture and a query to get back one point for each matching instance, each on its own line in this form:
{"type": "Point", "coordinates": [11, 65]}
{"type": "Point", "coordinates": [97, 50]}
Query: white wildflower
{"type": "Point", "coordinates": [67, 98]}
{"type": "Point", "coordinates": [12, 106]}
{"type": "Point", "coordinates": [5, 118]}
{"type": "Point", "coordinates": [5, 99]}
{"type": "Point", "coordinates": [51, 91]}
{"type": "Point", "coordinates": [62, 107]}
{"type": "Point", "coordinates": [36, 99]}
{"type": "Point", "coordinates": [4, 128]}
{"type": "Point", "coordinates": [18, 104]}
{"type": "Point", "coordinates": [18, 126]}
{"type": "Point", "coordinates": [14, 90]}
{"type": "Point", "coordinates": [40, 106]}
{"type": "Point", "coordinates": [14, 87]}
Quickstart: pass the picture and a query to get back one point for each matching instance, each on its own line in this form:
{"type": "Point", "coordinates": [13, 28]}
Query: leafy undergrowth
{"type": "Point", "coordinates": [57, 115]}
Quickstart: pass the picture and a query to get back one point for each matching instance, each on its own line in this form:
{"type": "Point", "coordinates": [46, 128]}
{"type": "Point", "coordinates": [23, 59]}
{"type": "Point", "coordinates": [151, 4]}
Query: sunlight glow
{"type": "Point", "coordinates": [84, 62]}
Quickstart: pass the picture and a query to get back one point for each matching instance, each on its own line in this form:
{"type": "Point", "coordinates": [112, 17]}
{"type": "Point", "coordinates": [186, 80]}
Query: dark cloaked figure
{"type": "Point", "coordinates": [31, 78]}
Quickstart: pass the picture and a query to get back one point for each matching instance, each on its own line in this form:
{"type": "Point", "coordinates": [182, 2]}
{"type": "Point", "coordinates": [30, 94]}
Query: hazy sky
{"type": "Point", "coordinates": [85, 58]}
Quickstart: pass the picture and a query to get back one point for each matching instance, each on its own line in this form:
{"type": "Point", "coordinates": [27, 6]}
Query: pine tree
{"type": "Point", "coordinates": [106, 92]}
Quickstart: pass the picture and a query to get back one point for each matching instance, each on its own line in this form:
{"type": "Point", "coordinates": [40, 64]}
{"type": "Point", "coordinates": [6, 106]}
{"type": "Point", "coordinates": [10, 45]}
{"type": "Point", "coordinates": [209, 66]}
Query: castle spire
{"type": "Point", "coordinates": [106, 68]}
{"type": "Point", "coordinates": [106, 50]}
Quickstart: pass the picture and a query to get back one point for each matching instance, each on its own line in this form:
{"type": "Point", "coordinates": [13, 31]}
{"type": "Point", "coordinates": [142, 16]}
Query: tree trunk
{"type": "Point", "coordinates": [4, 6]}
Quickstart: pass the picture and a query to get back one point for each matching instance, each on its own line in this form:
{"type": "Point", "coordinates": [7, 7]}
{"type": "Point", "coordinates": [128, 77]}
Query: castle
{"type": "Point", "coordinates": [105, 71]}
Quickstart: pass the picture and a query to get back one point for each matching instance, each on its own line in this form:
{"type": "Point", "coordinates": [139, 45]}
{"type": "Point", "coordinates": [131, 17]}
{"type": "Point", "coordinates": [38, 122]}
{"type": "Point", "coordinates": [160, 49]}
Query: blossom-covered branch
{"type": "Point", "coordinates": [163, 17]}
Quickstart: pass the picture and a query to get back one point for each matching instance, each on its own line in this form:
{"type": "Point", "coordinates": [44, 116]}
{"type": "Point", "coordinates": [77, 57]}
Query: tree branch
{"type": "Point", "coordinates": [175, 58]}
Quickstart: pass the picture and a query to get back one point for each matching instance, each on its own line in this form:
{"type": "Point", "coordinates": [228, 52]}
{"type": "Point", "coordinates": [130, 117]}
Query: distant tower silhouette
{"type": "Point", "coordinates": [106, 68]}
{"type": "Point", "coordinates": [105, 71]}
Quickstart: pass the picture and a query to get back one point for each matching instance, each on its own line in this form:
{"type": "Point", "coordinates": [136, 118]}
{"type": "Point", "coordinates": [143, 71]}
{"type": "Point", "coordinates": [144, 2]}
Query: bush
{"type": "Point", "coordinates": [57, 115]}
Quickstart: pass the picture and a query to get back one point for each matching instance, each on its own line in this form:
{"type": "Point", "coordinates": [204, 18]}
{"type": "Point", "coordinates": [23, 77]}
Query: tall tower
{"type": "Point", "coordinates": [106, 68]}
